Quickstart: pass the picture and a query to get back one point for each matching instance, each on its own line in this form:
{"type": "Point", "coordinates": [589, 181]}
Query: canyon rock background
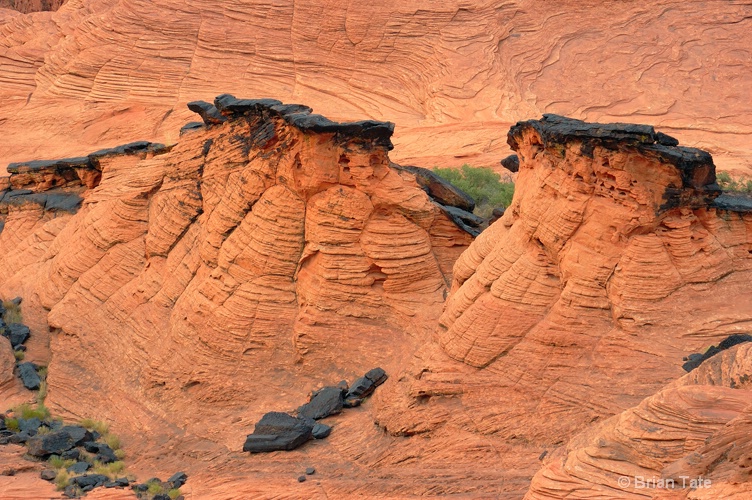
{"type": "Point", "coordinates": [201, 284]}
{"type": "Point", "coordinates": [98, 73]}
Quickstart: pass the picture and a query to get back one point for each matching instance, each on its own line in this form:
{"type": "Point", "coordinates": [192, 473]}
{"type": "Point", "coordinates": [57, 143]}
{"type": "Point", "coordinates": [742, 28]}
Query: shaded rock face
{"type": "Point", "coordinates": [613, 262]}
{"type": "Point", "coordinates": [279, 431]}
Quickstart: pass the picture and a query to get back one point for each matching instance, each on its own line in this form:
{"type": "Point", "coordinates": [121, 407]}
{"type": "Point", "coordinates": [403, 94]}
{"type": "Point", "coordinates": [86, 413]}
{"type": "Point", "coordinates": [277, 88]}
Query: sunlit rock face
{"type": "Point", "coordinates": [618, 257]}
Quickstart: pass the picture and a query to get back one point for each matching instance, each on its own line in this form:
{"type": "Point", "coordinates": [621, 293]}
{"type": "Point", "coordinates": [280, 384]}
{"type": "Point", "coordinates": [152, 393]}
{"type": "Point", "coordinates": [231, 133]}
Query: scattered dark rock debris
{"type": "Point", "coordinates": [511, 163]}
{"type": "Point", "coordinates": [156, 489]}
{"type": "Point", "coordinates": [310, 471]}
{"type": "Point", "coordinates": [321, 431]}
{"type": "Point", "coordinates": [282, 431]}
{"type": "Point", "coordinates": [301, 479]}
{"type": "Point", "coordinates": [694, 360]}
{"type": "Point", "coordinates": [48, 474]}
{"type": "Point", "coordinates": [27, 372]}
{"type": "Point", "coordinates": [279, 431]}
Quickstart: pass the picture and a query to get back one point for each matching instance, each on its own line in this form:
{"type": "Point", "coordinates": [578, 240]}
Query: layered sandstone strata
{"type": "Point", "coordinates": [451, 73]}
{"type": "Point", "coordinates": [692, 439]}
{"type": "Point", "coordinates": [617, 258]}
{"type": "Point", "coordinates": [234, 269]}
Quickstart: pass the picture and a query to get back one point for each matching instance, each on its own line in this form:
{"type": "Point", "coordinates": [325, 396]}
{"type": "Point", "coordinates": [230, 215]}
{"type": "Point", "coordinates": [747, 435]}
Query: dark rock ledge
{"type": "Point", "coordinates": [227, 106]}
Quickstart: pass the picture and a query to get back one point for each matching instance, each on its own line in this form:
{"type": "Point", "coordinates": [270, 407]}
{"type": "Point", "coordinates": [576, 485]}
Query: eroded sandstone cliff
{"type": "Point", "coordinates": [616, 259]}
{"type": "Point", "coordinates": [225, 276]}
{"type": "Point", "coordinates": [271, 250]}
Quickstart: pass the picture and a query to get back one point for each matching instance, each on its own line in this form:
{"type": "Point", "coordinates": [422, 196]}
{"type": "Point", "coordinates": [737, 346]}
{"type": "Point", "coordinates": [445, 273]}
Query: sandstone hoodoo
{"type": "Point", "coordinates": [581, 301]}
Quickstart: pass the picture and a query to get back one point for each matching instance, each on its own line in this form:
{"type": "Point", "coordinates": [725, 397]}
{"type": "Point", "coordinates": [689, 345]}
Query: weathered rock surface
{"type": "Point", "coordinates": [104, 70]}
{"type": "Point", "coordinates": [324, 402]}
{"type": "Point", "coordinates": [698, 428]}
{"type": "Point", "coordinates": [27, 372]}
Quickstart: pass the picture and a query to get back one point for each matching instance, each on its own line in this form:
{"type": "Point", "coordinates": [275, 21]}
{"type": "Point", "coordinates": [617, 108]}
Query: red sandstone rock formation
{"type": "Point", "coordinates": [202, 285]}
{"type": "Point", "coordinates": [224, 277]}
{"type": "Point", "coordinates": [697, 429]}
{"type": "Point", "coordinates": [451, 73]}
{"type": "Point", "coordinates": [615, 260]}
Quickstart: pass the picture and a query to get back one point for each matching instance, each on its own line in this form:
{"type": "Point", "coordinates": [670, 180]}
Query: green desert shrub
{"type": "Point", "coordinates": [19, 355]}
{"type": "Point", "coordinates": [482, 184]}
{"type": "Point", "coordinates": [11, 423]}
{"type": "Point", "coordinates": [12, 313]}
{"type": "Point", "coordinates": [95, 425]}
{"type": "Point", "coordinates": [174, 493]}
{"type": "Point", "coordinates": [27, 411]}
{"type": "Point", "coordinates": [729, 183]}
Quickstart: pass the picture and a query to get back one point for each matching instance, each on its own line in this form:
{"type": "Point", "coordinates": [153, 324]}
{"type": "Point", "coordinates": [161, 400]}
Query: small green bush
{"type": "Point", "coordinates": [62, 479]}
{"type": "Point", "coordinates": [19, 355]}
{"type": "Point", "coordinates": [112, 441]}
{"type": "Point", "coordinates": [56, 462]}
{"type": "Point", "coordinates": [12, 424]}
{"type": "Point", "coordinates": [728, 183]}
{"type": "Point", "coordinates": [482, 184]}
{"type": "Point", "coordinates": [12, 313]}
{"type": "Point", "coordinates": [174, 493]}
{"type": "Point", "coordinates": [26, 411]}
{"type": "Point", "coordinates": [120, 454]}
{"type": "Point", "coordinates": [110, 470]}
{"type": "Point", "coordinates": [155, 488]}
{"type": "Point", "coordinates": [95, 425]}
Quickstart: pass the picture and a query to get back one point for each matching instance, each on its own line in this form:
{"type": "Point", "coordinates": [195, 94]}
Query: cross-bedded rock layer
{"type": "Point", "coordinates": [452, 73]}
{"type": "Point", "coordinates": [618, 257]}
{"type": "Point", "coordinates": [229, 271]}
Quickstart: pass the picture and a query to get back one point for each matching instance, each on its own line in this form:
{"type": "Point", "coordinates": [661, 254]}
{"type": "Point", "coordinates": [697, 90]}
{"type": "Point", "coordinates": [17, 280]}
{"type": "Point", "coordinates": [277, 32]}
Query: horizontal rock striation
{"type": "Point", "coordinates": [104, 70]}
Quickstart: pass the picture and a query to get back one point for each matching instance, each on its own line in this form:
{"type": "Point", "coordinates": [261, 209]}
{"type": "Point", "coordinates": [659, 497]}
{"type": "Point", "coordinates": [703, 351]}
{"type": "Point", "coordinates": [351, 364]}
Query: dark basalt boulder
{"type": "Point", "coordinates": [30, 425]}
{"type": "Point", "coordinates": [57, 442]}
{"type": "Point", "coordinates": [464, 220]}
{"type": "Point", "coordinates": [17, 333]}
{"type": "Point", "coordinates": [439, 189]}
{"type": "Point", "coordinates": [321, 431]}
{"type": "Point", "coordinates": [207, 112]}
{"type": "Point", "coordinates": [365, 385]}
{"type": "Point", "coordinates": [93, 480]}
{"type": "Point", "coordinates": [279, 431]}
{"type": "Point", "coordinates": [118, 483]}
{"type": "Point", "coordinates": [696, 359]}
{"type": "Point", "coordinates": [177, 480]}
{"type": "Point", "coordinates": [48, 474]}
{"type": "Point", "coordinates": [78, 468]}
{"type": "Point", "coordinates": [324, 402]}
{"type": "Point", "coordinates": [19, 438]}
{"type": "Point", "coordinates": [191, 126]}
{"type": "Point", "coordinates": [103, 452]}
{"type": "Point", "coordinates": [733, 202]}
{"type": "Point", "coordinates": [497, 214]}
{"type": "Point", "coordinates": [511, 163]}
{"type": "Point", "coordinates": [27, 372]}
